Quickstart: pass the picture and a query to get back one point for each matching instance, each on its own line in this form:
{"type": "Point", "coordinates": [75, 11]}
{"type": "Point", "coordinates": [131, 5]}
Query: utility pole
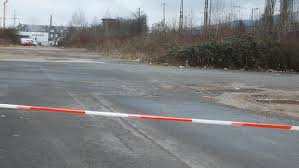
{"type": "Point", "coordinates": [139, 21]}
{"type": "Point", "coordinates": [164, 14]}
{"type": "Point", "coordinates": [181, 22]}
{"type": "Point", "coordinates": [206, 14]}
{"type": "Point", "coordinates": [51, 21]}
{"type": "Point", "coordinates": [4, 13]}
{"type": "Point", "coordinates": [238, 7]}
{"type": "Point", "coordinates": [210, 13]}
{"type": "Point", "coordinates": [14, 19]}
{"type": "Point", "coordinates": [51, 34]}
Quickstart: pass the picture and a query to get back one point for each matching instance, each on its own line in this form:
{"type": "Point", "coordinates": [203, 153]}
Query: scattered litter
{"type": "Point", "coordinates": [2, 116]}
{"type": "Point", "coordinates": [139, 60]}
{"type": "Point", "coordinates": [99, 62]}
{"type": "Point", "coordinates": [182, 67]}
{"type": "Point", "coordinates": [21, 117]}
{"type": "Point", "coordinates": [273, 71]}
{"type": "Point", "coordinates": [197, 92]}
{"type": "Point", "coordinates": [15, 135]}
{"type": "Point", "coordinates": [207, 97]}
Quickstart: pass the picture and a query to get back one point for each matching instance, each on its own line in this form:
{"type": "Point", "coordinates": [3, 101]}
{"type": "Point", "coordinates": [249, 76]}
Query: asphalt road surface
{"type": "Point", "coordinates": [46, 140]}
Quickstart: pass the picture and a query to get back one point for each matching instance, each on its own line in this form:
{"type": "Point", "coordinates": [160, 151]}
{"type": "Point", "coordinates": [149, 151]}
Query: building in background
{"type": "Point", "coordinates": [40, 33]}
{"type": "Point", "coordinates": [43, 34]}
{"type": "Point", "coordinates": [56, 33]}
{"type": "Point", "coordinates": [46, 35]}
{"type": "Point", "coordinates": [110, 26]}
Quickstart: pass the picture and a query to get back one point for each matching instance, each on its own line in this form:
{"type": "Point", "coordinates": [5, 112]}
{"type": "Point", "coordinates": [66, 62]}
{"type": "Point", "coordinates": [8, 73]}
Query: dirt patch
{"type": "Point", "coordinates": [220, 88]}
{"type": "Point", "coordinates": [29, 58]}
{"type": "Point", "coordinates": [45, 54]}
{"type": "Point", "coordinates": [253, 98]}
{"type": "Point", "coordinates": [277, 101]}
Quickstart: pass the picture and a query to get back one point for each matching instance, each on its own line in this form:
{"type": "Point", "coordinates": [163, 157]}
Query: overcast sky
{"type": "Point", "coordinates": [38, 11]}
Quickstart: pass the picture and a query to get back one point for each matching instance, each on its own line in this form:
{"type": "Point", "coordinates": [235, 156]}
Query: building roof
{"type": "Point", "coordinates": [41, 28]}
{"type": "Point", "coordinates": [109, 19]}
{"type": "Point", "coordinates": [32, 28]}
{"type": "Point", "coordinates": [58, 29]}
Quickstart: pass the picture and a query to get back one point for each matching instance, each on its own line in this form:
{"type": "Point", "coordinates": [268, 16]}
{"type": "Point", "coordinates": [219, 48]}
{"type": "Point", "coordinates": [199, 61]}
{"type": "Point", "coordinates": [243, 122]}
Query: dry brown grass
{"type": "Point", "coordinates": [8, 37]}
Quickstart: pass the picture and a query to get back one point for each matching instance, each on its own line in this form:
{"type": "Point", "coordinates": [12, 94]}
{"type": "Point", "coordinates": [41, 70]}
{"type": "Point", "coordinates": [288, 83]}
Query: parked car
{"type": "Point", "coordinates": [27, 41]}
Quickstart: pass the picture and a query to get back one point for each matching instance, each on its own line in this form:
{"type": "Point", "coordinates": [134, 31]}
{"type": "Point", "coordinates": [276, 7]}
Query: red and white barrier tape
{"type": "Point", "coordinates": [149, 117]}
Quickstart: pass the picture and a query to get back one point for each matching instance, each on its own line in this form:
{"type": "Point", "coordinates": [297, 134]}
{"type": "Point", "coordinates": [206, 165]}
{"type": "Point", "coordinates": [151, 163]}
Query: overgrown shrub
{"type": "Point", "coordinates": [239, 52]}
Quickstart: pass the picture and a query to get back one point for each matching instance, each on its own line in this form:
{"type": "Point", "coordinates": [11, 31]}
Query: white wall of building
{"type": "Point", "coordinates": [41, 37]}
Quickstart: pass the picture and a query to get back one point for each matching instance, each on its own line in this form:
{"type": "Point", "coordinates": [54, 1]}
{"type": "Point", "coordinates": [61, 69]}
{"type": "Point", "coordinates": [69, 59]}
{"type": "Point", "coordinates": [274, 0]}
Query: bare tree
{"type": "Point", "coordinates": [218, 11]}
{"type": "Point", "coordinates": [141, 22]}
{"type": "Point", "coordinates": [79, 19]}
{"type": "Point", "coordinates": [286, 14]}
{"type": "Point", "coordinates": [95, 22]}
{"type": "Point", "coordinates": [269, 12]}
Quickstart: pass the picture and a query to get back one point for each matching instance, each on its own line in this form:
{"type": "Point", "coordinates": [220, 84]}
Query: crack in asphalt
{"type": "Point", "coordinates": [124, 121]}
{"type": "Point", "coordinates": [145, 136]}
